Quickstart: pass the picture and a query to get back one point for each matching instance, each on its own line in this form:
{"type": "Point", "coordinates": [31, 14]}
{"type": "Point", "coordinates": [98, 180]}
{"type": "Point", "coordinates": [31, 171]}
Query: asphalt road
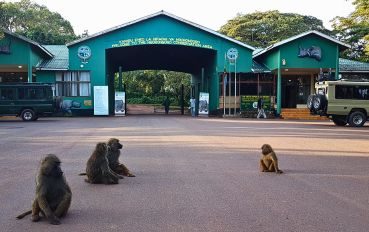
{"type": "Point", "coordinates": [193, 174]}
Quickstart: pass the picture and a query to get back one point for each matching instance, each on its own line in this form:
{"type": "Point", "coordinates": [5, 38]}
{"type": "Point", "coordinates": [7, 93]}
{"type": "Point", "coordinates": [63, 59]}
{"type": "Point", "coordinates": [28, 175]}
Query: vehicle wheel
{"type": "Point", "coordinates": [310, 101]}
{"type": "Point", "coordinates": [357, 119]}
{"type": "Point", "coordinates": [28, 115]}
{"type": "Point", "coordinates": [339, 121]}
{"type": "Point", "coordinates": [319, 102]}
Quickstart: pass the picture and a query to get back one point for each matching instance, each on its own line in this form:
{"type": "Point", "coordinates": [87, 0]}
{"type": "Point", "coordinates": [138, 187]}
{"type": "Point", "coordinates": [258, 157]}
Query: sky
{"type": "Point", "coordinates": [96, 16]}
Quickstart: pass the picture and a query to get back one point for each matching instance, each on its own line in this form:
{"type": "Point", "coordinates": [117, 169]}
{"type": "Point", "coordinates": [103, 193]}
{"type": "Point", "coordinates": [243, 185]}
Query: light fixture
{"type": "Point", "coordinates": [20, 66]}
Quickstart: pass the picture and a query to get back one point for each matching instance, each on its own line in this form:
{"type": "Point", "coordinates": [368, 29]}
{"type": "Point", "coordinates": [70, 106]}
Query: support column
{"type": "Point", "coordinates": [279, 86]}
{"type": "Point", "coordinates": [279, 92]}
{"type": "Point", "coordinates": [202, 79]}
{"type": "Point", "coordinates": [29, 72]}
{"type": "Point", "coordinates": [120, 79]}
{"type": "Point", "coordinates": [182, 99]}
{"type": "Point", "coordinates": [337, 63]}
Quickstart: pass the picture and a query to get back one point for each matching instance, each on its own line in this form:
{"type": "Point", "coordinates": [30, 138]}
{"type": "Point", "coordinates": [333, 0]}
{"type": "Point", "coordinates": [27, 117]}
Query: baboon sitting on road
{"type": "Point", "coordinates": [113, 157]}
{"type": "Point", "coordinates": [269, 161]}
{"type": "Point", "coordinates": [53, 194]}
{"type": "Point", "coordinates": [98, 170]}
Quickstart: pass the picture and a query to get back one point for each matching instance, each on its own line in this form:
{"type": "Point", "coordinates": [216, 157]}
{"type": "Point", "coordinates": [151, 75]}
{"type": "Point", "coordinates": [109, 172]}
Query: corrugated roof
{"type": "Point", "coordinates": [259, 68]}
{"type": "Point", "coordinates": [299, 36]}
{"type": "Point", "coordinates": [353, 66]}
{"type": "Point", "coordinates": [60, 61]}
{"type": "Point", "coordinates": [166, 14]}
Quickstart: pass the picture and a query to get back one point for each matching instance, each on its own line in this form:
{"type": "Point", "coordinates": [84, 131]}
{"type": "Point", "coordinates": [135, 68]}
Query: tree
{"type": "Point", "coordinates": [261, 29]}
{"type": "Point", "coordinates": [35, 22]}
{"type": "Point", "coordinates": [173, 82]}
{"type": "Point", "coordinates": [155, 85]}
{"type": "Point", "coordinates": [355, 30]}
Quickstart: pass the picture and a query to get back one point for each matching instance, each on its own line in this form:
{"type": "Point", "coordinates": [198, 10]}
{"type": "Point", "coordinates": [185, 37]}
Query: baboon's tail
{"type": "Point", "coordinates": [82, 174]}
{"type": "Point", "coordinates": [24, 214]}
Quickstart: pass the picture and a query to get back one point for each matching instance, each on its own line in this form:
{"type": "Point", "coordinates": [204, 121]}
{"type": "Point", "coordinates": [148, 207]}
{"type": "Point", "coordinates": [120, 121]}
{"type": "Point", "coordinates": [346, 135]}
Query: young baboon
{"type": "Point", "coordinates": [53, 194]}
{"type": "Point", "coordinates": [269, 160]}
{"type": "Point", "coordinates": [98, 170]}
{"type": "Point", "coordinates": [113, 157]}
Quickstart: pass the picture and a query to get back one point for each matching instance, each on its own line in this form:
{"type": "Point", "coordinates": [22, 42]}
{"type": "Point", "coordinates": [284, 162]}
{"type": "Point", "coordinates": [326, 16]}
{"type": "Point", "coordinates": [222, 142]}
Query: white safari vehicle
{"type": "Point", "coordinates": [344, 102]}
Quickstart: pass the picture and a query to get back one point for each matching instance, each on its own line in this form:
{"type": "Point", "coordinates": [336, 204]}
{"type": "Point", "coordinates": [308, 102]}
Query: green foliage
{"type": "Point", "coordinates": [35, 22]}
{"type": "Point", "coordinates": [261, 29]}
{"type": "Point", "coordinates": [152, 86]}
{"type": "Point", "coordinates": [355, 30]}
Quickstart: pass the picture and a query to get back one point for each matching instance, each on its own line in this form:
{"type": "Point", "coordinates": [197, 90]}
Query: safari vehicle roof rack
{"type": "Point", "coordinates": [25, 83]}
{"type": "Point", "coordinates": [355, 80]}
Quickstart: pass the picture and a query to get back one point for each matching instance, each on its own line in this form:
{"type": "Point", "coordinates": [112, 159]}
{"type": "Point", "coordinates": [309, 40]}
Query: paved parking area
{"type": "Point", "coordinates": [193, 174]}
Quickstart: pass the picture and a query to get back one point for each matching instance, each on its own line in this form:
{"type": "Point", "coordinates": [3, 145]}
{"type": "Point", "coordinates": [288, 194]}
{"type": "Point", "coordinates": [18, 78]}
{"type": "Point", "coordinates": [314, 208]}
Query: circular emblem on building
{"type": "Point", "coordinates": [84, 52]}
{"type": "Point", "coordinates": [232, 54]}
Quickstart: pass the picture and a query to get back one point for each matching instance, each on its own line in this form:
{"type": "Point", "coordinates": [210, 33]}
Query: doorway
{"type": "Point", "coordinates": [295, 90]}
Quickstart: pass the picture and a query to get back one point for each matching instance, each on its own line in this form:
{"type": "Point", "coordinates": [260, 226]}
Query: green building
{"type": "Point", "coordinates": [285, 71]}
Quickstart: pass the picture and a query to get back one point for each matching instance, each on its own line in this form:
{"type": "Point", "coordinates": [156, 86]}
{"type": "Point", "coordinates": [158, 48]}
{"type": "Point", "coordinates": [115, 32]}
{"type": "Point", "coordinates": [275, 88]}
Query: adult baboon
{"type": "Point", "coordinates": [113, 157]}
{"type": "Point", "coordinates": [53, 194]}
{"type": "Point", "coordinates": [269, 161]}
{"type": "Point", "coordinates": [98, 170]}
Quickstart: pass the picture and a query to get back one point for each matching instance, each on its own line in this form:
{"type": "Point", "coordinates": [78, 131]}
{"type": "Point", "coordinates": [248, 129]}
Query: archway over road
{"type": "Point", "coordinates": [160, 41]}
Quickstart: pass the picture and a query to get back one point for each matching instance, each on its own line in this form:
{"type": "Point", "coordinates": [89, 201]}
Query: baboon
{"type": "Point", "coordinates": [113, 157]}
{"type": "Point", "coordinates": [98, 170]}
{"type": "Point", "coordinates": [269, 161]}
{"type": "Point", "coordinates": [53, 194]}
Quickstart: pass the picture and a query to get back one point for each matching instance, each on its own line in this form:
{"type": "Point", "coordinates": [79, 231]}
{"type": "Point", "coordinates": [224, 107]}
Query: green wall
{"type": "Point", "coordinates": [45, 76]}
{"type": "Point", "coordinates": [19, 51]}
{"type": "Point", "coordinates": [289, 52]}
{"type": "Point", "coordinates": [329, 52]}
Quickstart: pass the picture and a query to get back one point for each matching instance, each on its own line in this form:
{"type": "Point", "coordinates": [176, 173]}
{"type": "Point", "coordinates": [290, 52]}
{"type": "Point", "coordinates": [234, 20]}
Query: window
{"type": "Point", "coordinates": [73, 84]}
{"type": "Point", "coordinates": [352, 92]}
{"type": "Point", "coordinates": [7, 94]}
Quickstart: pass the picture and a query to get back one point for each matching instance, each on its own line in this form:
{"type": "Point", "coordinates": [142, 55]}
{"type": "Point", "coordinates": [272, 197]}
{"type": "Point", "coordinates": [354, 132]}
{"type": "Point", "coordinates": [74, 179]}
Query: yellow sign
{"type": "Point", "coordinates": [87, 102]}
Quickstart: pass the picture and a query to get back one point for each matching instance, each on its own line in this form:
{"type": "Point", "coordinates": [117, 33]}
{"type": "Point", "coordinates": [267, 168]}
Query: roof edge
{"type": "Point", "coordinates": [52, 69]}
{"type": "Point", "coordinates": [28, 41]}
{"type": "Point", "coordinates": [162, 12]}
{"type": "Point", "coordinates": [297, 37]}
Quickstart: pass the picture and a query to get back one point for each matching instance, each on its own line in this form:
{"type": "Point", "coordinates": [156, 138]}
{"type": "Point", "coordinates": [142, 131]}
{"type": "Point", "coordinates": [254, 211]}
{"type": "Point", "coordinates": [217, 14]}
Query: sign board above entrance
{"type": "Point", "coordinates": [161, 40]}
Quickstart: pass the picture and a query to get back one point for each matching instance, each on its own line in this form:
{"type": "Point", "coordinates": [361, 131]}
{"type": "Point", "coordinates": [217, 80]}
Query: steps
{"type": "Point", "coordinates": [300, 113]}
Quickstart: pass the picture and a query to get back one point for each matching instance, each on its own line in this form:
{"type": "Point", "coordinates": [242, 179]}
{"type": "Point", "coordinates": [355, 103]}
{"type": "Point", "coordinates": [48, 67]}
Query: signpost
{"type": "Point", "coordinates": [232, 55]}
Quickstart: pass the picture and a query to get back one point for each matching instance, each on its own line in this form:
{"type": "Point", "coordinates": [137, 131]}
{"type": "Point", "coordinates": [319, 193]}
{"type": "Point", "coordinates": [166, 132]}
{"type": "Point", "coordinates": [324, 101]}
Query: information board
{"type": "Point", "coordinates": [120, 103]}
{"type": "Point", "coordinates": [204, 103]}
{"type": "Point", "coordinates": [101, 100]}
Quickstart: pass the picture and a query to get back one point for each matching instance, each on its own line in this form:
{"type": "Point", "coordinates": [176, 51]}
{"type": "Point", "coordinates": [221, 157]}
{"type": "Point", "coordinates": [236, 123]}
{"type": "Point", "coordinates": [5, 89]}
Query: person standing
{"type": "Point", "coordinates": [193, 106]}
{"type": "Point", "coordinates": [166, 105]}
{"type": "Point", "coordinates": [261, 108]}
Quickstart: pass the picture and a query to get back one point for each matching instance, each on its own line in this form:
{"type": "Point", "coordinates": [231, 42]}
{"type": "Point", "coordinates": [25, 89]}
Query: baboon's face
{"type": "Point", "coordinates": [50, 166]}
{"type": "Point", "coordinates": [266, 149]}
{"type": "Point", "coordinates": [101, 148]}
{"type": "Point", "coordinates": [114, 144]}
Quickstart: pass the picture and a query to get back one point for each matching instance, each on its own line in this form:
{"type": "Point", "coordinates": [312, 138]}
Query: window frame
{"type": "Point", "coordinates": [71, 85]}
